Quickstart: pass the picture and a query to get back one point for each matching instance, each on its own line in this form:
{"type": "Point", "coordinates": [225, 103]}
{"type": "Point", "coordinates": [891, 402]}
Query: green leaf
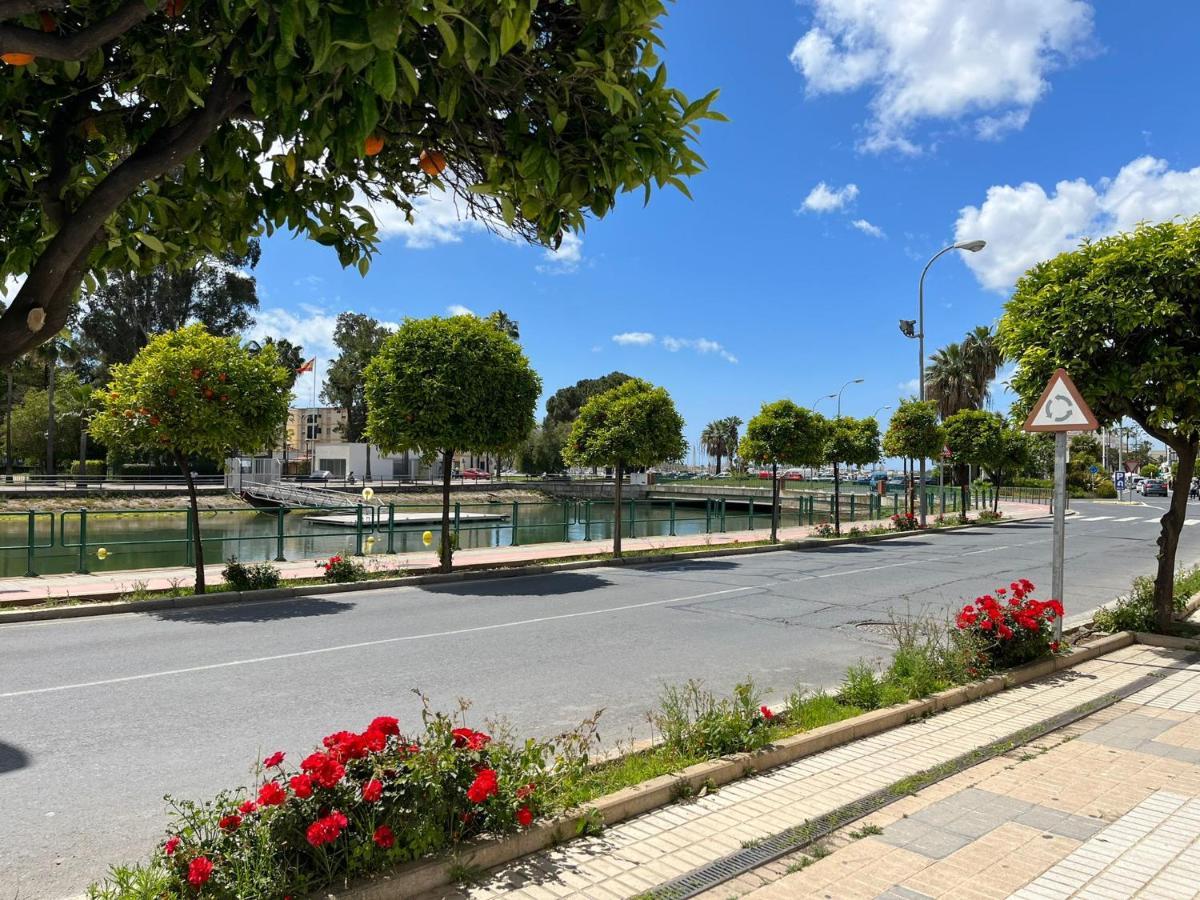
{"type": "Point", "coordinates": [384, 24]}
{"type": "Point", "coordinates": [448, 36]}
{"type": "Point", "coordinates": [383, 76]}
{"type": "Point", "coordinates": [409, 72]}
{"type": "Point", "coordinates": [150, 241]}
{"type": "Point", "coordinates": [508, 34]}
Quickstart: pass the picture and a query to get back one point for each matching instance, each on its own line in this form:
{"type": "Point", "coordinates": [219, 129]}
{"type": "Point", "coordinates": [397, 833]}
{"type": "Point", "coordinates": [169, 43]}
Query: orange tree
{"type": "Point", "coordinates": [783, 432]}
{"type": "Point", "coordinates": [134, 132]}
{"type": "Point", "coordinates": [854, 442]}
{"type": "Point", "coordinates": [1121, 315]}
{"type": "Point", "coordinates": [913, 433]}
{"type": "Point", "coordinates": [631, 426]}
{"type": "Point", "coordinates": [188, 392]}
{"type": "Point", "coordinates": [438, 386]}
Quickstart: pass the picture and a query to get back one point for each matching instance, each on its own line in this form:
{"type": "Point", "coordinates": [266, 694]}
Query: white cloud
{"type": "Point", "coordinates": [867, 228]}
{"type": "Point", "coordinates": [700, 345]}
{"type": "Point", "coordinates": [566, 259]}
{"type": "Point", "coordinates": [1024, 225]}
{"type": "Point", "coordinates": [910, 388]}
{"type": "Point", "coordinates": [457, 309]}
{"type": "Point", "coordinates": [10, 286]}
{"type": "Point", "coordinates": [823, 198]}
{"type": "Point", "coordinates": [436, 219]}
{"type": "Point", "coordinates": [634, 339]}
{"type": "Point", "coordinates": [940, 59]}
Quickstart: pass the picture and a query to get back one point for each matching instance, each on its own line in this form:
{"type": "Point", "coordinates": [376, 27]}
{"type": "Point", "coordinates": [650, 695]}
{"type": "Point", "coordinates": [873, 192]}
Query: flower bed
{"type": "Point", "coordinates": [1010, 626]}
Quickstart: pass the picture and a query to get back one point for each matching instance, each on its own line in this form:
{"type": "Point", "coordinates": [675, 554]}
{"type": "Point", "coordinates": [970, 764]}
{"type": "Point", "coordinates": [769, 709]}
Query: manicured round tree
{"type": "Point", "coordinates": [138, 132]}
{"type": "Point", "coordinates": [631, 426]}
{"type": "Point", "coordinates": [852, 441]}
{"type": "Point", "coordinates": [1119, 314]}
{"type": "Point", "coordinates": [975, 438]}
{"type": "Point", "coordinates": [438, 386]}
{"type": "Point", "coordinates": [783, 432]}
{"type": "Point", "coordinates": [914, 433]}
{"type": "Point", "coordinates": [188, 392]}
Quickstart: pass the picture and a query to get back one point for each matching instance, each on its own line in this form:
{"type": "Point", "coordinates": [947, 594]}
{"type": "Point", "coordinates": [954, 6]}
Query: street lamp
{"type": "Point", "coordinates": [878, 411]}
{"type": "Point", "coordinates": [819, 399]}
{"type": "Point", "coordinates": [839, 394]}
{"type": "Point", "coordinates": [906, 328]}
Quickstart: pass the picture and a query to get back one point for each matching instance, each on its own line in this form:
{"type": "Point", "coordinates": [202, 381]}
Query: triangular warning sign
{"type": "Point", "coordinates": [1061, 407]}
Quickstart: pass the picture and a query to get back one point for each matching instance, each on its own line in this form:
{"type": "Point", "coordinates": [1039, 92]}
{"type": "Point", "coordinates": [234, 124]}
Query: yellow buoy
{"type": "Point", "coordinates": [368, 493]}
{"type": "Point", "coordinates": [427, 538]}
{"type": "Point", "coordinates": [102, 553]}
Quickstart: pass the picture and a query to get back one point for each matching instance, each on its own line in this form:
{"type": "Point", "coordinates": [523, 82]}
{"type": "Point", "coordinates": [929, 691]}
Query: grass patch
{"type": "Point", "coordinates": [1135, 611]}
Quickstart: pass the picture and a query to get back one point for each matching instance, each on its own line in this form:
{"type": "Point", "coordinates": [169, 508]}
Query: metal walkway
{"type": "Point", "coordinates": [277, 493]}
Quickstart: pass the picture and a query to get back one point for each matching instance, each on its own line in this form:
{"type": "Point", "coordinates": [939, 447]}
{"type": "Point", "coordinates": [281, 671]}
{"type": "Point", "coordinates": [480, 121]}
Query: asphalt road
{"type": "Point", "coordinates": [100, 718]}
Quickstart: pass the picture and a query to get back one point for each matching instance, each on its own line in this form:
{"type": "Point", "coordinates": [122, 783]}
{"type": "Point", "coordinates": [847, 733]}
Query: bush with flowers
{"type": "Point", "coordinates": [905, 522]}
{"type": "Point", "coordinates": [339, 569]}
{"type": "Point", "coordinates": [362, 803]}
{"type": "Point", "coordinates": [1010, 626]}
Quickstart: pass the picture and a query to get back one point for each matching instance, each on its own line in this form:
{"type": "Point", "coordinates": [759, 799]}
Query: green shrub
{"type": "Point", "coordinates": [92, 467]}
{"type": "Point", "coordinates": [1135, 611]}
{"type": "Point", "coordinates": [988, 516]}
{"type": "Point", "coordinates": [339, 569]}
{"type": "Point", "coordinates": [861, 687]}
{"type": "Point", "coordinates": [808, 711]}
{"type": "Point", "coordinates": [1105, 490]}
{"type": "Point", "coordinates": [694, 722]}
{"type": "Point", "coordinates": [254, 577]}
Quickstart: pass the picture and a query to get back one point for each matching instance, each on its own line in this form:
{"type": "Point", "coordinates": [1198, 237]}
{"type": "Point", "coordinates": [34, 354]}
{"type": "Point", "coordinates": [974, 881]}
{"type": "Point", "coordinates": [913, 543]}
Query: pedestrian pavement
{"type": "Point", "coordinates": [25, 591]}
{"type": "Point", "coordinates": [1106, 807]}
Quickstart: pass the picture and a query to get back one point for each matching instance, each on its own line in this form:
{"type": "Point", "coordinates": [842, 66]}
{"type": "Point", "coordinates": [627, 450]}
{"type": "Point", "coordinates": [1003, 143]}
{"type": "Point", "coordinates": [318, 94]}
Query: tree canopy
{"type": "Point", "coordinates": [783, 432]}
{"type": "Point", "coordinates": [1122, 316]}
{"type": "Point", "coordinates": [631, 426]}
{"type": "Point", "coordinates": [135, 132]}
{"type": "Point", "coordinates": [852, 441]}
{"type": "Point", "coordinates": [190, 392]}
{"type": "Point", "coordinates": [442, 385]}
{"type": "Point", "coordinates": [358, 338]}
{"type": "Point", "coordinates": [720, 438]}
{"type": "Point", "coordinates": [565, 403]}
{"type": "Point", "coordinates": [913, 432]}
{"type": "Point", "coordinates": [117, 319]}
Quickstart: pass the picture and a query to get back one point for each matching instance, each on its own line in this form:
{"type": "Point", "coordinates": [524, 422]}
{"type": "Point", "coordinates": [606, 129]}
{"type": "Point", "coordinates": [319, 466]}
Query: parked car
{"type": "Point", "coordinates": [1153, 487]}
{"type": "Point", "coordinates": [319, 475]}
{"type": "Point", "coordinates": [877, 477]}
{"type": "Point", "coordinates": [474, 475]}
{"type": "Point", "coordinates": [896, 483]}
{"type": "Point", "coordinates": [791, 475]}
{"type": "Point", "coordinates": [863, 478]}
{"type": "Point", "coordinates": [764, 474]}
{"type": "Point", "coordinates": [721, 475]}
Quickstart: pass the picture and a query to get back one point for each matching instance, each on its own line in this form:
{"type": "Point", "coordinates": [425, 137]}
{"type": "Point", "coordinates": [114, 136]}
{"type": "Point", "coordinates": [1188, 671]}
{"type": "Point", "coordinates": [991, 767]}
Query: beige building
{"type": "Point", "coordinates": [311, 425]}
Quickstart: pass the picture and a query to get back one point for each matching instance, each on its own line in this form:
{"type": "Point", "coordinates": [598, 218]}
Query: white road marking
{"type": "Point", "coordinates": [376, 643]}
{"type": "Point", "coordinates": [1095, 518]}
{"type": "Point", "coordinates": [1156, 519]}
{"type": "Point", "coordinates": [1190, 521]}
{"type": "Point", "coordinates": [1126, 519]}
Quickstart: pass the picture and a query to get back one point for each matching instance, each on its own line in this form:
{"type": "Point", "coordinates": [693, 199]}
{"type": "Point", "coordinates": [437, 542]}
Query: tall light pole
{"type": "Point", "coordinates": [819, 399]}
{"type": "Point", "coordinates": [839, 394]}
{"type": "Point", "coordinates": [906, 328]}
{"type": "Point", "coordinates": [878, 411]}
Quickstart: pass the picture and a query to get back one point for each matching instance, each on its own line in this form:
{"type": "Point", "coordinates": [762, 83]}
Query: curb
{"type": "Point", "coordinates": [420, 877]}
{"type": "Point", "coordinates": [468, 572]}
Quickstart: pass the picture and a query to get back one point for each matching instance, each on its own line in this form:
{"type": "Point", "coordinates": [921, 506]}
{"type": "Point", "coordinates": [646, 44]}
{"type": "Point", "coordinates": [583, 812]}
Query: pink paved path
{"type": "Point", "coordinates": [22, 591]}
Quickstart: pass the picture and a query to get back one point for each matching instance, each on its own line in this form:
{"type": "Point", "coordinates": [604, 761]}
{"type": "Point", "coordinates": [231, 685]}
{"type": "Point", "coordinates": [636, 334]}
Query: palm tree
{"type": "Point", "coordinates": [729, 425]}
{"type": "Point", "coordinates": [59, 350]}
{"type": "Point", "coordinates": [950, 381]}
{"type": "Point", "coordinates": [508, 326]}
{"type": "Point", "coordinates": [984, 357]}
{"type": "Point", "coordinates": [719, 438]}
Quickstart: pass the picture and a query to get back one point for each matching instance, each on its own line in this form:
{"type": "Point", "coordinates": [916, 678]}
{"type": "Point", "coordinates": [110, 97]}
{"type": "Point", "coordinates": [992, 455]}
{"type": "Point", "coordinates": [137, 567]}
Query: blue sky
{"type": "Point", "coordinates": [1028, 123]}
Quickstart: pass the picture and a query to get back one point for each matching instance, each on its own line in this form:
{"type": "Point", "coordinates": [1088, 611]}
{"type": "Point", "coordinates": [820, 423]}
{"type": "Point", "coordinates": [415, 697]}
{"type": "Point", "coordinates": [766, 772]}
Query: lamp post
{"type": "Point", "coordinates": [837, 494]}
{"type": "Point", "coordinates": [839, 394]}
{"type": "Point", "coordinates": [906, 329]}
{"type": "Point", "coordinates": [819, 399]}
{"type": "Point", "coordinates": [878, 411]}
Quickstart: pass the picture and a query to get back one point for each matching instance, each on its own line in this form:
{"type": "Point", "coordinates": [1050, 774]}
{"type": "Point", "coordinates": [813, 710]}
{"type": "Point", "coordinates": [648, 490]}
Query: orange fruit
{"type": "Point", "coordinates": [373, 144]}
{"type": "Point", "coordinates": [154, 420]}
{"type": "Point", "coordinates": [196, 373]}
{"type": "Point", "coordinates": [208, 392]}
{"type": "Point", "coordinates": [433, 162]}
{"type": "Point", "coordinates": [18, 59]}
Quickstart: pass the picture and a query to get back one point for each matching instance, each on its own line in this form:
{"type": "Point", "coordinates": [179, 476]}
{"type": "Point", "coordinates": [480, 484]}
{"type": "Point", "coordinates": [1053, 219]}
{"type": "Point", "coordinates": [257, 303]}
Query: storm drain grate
{"type": "Point", "coordinates": [809, 832]}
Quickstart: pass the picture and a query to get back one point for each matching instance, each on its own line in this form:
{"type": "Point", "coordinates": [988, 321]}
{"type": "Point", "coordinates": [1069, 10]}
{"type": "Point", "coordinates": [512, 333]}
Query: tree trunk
{"type": "Point", "coordinates": [197, 544]}
{"type": "Point", "coordinates": [8, 472]}
{"type": "Point", "coordinates": [447, 466]}
{"type": "Point", "coordinates": [997, 480]}
{"type": "Point", "coordinates": [837, 501]}
{"type": "Point", "coordinates": [718, 463]}
{"type": "Point", "coordinates": [1168, 539]}
{"type": "Point", "coordinates": [774, 503]}
{"type": "Point", "coordinates": [620, 472]}
{"type": "Point", "coordinates": [964, 488]}
{"type": "Point", "coordinates": [367, 473]}
{"type": "Point", "coordinates": [50, 419]}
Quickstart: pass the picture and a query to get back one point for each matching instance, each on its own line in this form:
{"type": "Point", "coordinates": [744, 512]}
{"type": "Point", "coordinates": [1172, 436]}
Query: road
{"type": "Point", "coordinates": [100, 718]}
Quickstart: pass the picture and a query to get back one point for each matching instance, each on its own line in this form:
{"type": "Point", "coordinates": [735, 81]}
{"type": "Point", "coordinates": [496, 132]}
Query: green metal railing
{"type": "Point", "coordinates": [30, 546]}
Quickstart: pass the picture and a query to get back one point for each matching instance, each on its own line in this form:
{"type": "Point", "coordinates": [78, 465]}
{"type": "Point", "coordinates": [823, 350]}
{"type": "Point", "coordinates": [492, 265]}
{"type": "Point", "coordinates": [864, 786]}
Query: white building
{"type": "Point", "coordinates": [343, 459]}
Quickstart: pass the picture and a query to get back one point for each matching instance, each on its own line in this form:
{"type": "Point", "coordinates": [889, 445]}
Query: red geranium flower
{"type": "Point", "coordinates": [274, 759]}
{"type": "Point", "coordinates": [766, 712]}
{"type": "Point", "coordinates": [388, 725]}
{"type": "Point", "coordinates": [230, 823]}
{"type": "Point", "coordinates": [271, 794]}
{"type": "Point", "coordinates": [372, 790]}
{"type": "Point", "coordinates": [324, 769]}
{"type": "Point", "coordinates": [384, 837]}
{"type": "Point", "coordinates": [483, 786]}
{"type": "Point", "coordinates": [199, 871]}
{"type": "Point", "coordinates": [373, 741]}
{"type": "Point", "coordinates": [248, 807]}
{"type": "Point", "coordinates": [326, 829]}
{"type": "Point", "coordinates": [523, 792]}
{"type": "Point", "coordinates": [524, 817]}
{"type": "Point", "coordinates": [302, 786]}
{"type": "Point", "coordinates": [172, 845]}
{"type": "Point", "coordinates": [470, 739]}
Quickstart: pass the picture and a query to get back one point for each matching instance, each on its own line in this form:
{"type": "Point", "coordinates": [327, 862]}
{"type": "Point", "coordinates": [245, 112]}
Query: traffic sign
{"type": "Point", "coordinates": [1095, 469]}
{"type": "Point", "coordinates": [1061, 407]}
{"type": "Point", "coordinates": [1119, 481]}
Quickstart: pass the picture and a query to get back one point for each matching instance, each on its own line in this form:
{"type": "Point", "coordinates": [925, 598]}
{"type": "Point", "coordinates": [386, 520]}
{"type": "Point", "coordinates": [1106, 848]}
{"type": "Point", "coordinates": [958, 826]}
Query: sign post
{"type": "Point", "coordinates": [1060, 409]}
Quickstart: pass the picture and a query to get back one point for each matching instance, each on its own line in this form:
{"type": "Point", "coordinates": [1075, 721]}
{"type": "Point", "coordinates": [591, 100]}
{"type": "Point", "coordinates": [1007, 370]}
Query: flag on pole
{"type": "Point", "coordinates": [307, 367]}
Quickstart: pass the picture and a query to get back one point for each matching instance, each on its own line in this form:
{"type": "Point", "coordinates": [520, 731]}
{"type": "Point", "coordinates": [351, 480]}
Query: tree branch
{"type": "Point", "coordinates": [10, 9]}
{"type": "Point", "coordinates": [16, 38]}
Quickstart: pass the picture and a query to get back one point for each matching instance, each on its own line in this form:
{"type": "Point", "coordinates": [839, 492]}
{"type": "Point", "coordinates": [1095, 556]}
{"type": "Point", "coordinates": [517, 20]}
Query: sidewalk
{"type": "Point", "coordinates": [23, 591]}
{"type": "Point", "coordinates": [1106, 807]}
